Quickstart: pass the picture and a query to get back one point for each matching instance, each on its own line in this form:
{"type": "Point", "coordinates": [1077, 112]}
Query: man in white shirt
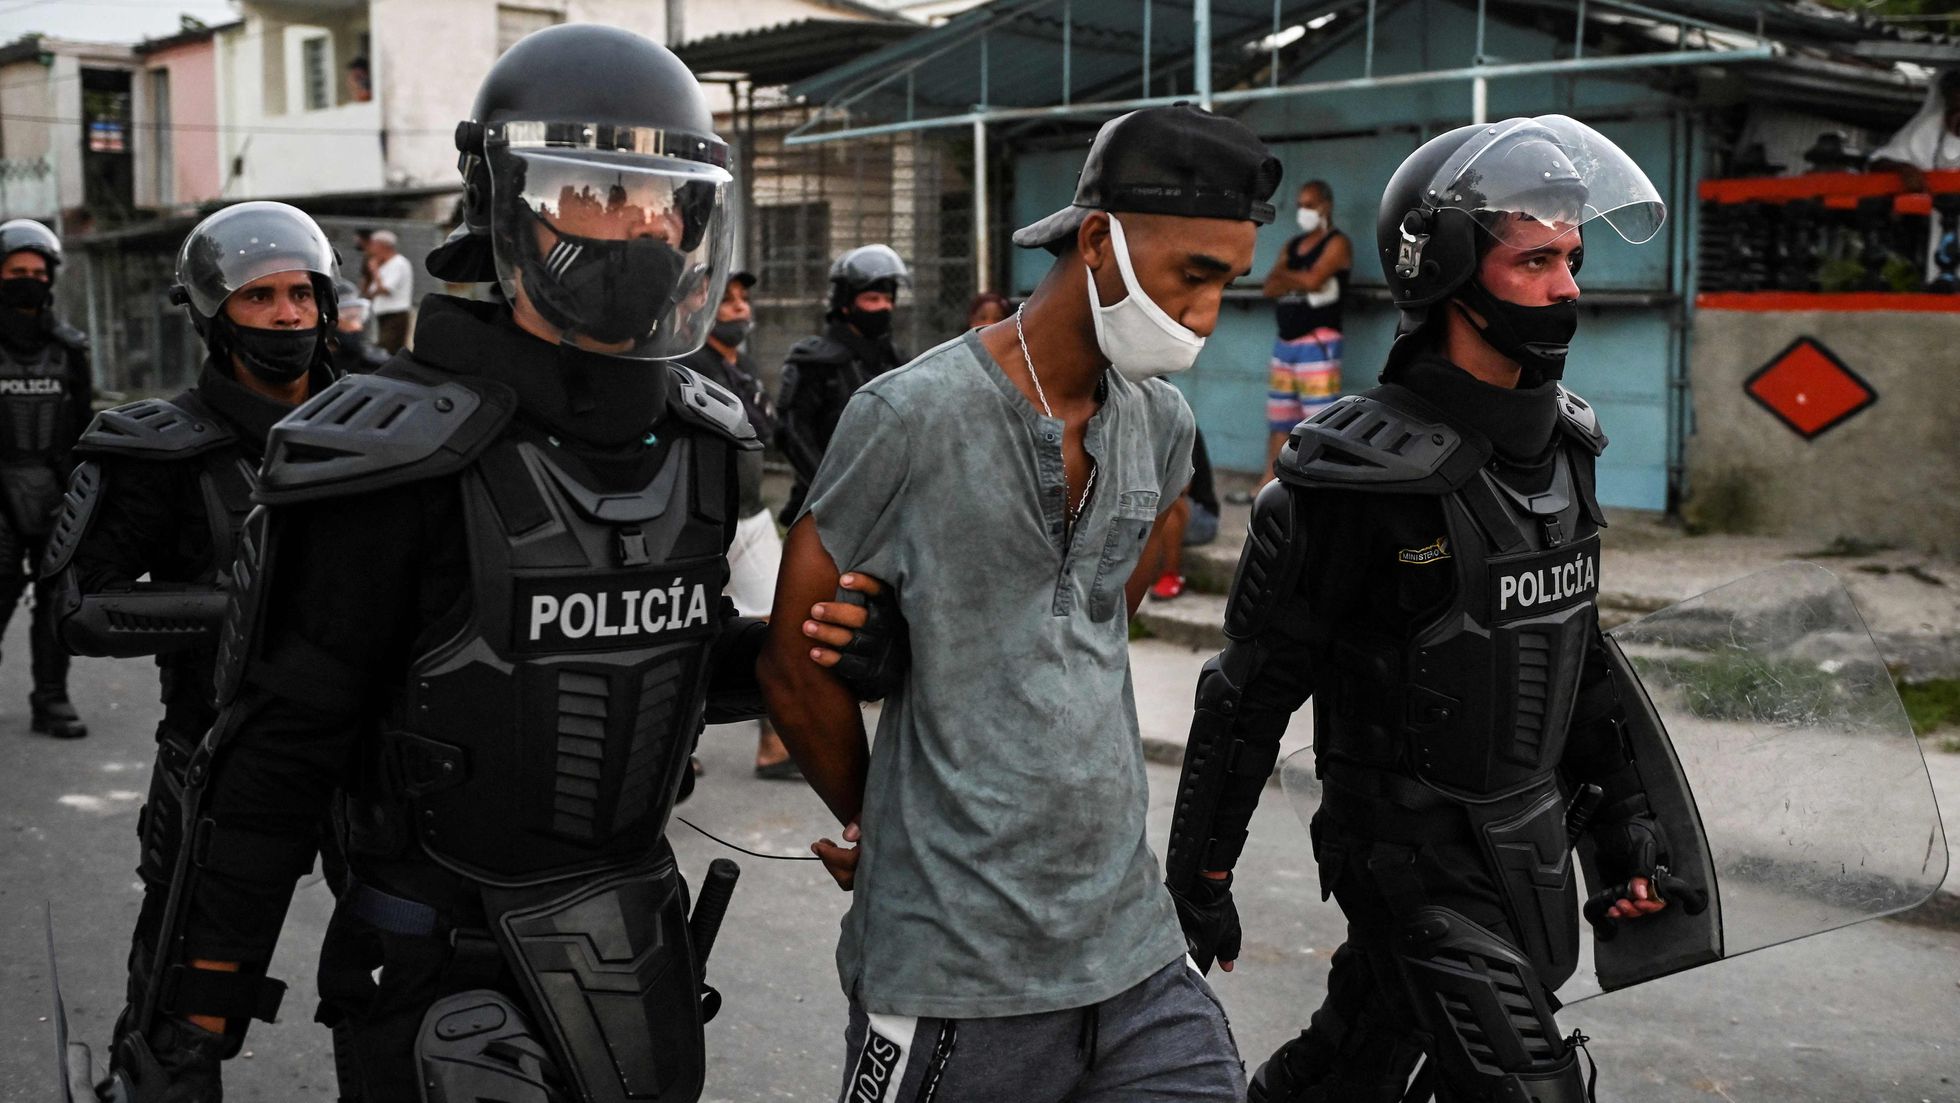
{"type": "Point", "coordinates": [391, 288]}
{"type": "Point", "coordinates": [1930, 141]}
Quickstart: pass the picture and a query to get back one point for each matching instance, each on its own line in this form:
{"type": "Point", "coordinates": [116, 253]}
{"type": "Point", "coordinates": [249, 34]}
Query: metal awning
{"type": "Point", "coordinates": [1023, 59]}
{"type": "Point", "coordinates": [787, 52]}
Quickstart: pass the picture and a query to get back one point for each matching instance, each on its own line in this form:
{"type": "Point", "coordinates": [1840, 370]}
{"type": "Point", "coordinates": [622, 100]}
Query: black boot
{"type": "Point", "coordinates": [54, 716]}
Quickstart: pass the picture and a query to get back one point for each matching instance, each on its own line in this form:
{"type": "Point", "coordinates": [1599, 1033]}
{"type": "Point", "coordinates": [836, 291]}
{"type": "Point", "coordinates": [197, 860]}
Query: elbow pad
{"type": "Point", "coordinates": [1225, 770]}
{"type": "Point", "coordinates": [146, 619]}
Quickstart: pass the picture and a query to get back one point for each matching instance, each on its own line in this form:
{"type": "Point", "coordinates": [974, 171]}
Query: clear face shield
{"type": "Point", "coordinates": [1530, 182]}
{"type": "Point", "coordinates": [245, 242]}
{"type": "Point", "coordinates": [620, 237]}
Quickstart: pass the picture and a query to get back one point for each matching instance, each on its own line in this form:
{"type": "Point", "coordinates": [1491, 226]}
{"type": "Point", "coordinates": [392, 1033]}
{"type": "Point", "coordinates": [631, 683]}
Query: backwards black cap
{"type": "Point", "coordinates": [1178, 160]}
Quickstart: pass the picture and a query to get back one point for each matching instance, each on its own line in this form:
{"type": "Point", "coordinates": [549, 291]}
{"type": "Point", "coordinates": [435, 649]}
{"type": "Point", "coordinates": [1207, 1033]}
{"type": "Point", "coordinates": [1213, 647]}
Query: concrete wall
{"type": "Point", "coordinates": [29, 179]}
{"type": "Point", "coordinates": [429, 56]}
{"type": "Point", "coordinates": [196, 169]}
{"type": "Point", "coordinates": [270, 143]}
{"type": "Point", "coordinates": [1888, 474]}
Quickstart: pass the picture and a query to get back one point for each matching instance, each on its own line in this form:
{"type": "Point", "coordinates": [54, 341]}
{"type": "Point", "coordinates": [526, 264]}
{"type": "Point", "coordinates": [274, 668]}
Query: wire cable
{"type": "Point", "coordinates": [746, 850]}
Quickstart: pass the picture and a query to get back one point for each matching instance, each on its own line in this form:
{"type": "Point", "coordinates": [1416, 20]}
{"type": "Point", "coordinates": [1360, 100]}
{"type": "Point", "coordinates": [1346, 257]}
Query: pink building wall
{"type": "Point", "coordinates": [195, 166]}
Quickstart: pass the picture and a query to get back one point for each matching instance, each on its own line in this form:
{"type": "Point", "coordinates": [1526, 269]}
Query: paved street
{"type": "Point", "coordinates": [1866, 1014]}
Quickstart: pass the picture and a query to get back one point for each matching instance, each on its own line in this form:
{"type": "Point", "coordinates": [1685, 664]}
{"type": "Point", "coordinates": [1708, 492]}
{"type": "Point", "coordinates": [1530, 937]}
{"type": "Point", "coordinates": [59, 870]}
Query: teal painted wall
{"type": "Point", "coordinates": [1624, 355]}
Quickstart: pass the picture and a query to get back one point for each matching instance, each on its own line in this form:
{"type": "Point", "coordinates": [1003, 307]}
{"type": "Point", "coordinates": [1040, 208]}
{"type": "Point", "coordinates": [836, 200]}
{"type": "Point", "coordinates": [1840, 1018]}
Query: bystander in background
{"type": "Point", "coordinates": [987, 308]}
{"type": "Point", "coordinates": [1309, 280]}
{"type": "Point", "coordinates": [390, 287]}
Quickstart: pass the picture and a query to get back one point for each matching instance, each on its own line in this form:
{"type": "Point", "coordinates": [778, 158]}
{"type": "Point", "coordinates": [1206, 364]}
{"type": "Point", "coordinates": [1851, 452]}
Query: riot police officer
{"type": "Point", "coordinates": [1426, 568]}
{"type": "Point", "coordinates": [481, 599]}
{"type": "Point", "coordinates": [45, 390]}
{"type": "Point", "coordinates": [822, 372]}
{"type": "Point", "coordinates": [162, 487]}
{"type": "Point", "coordinates": [353, 353]}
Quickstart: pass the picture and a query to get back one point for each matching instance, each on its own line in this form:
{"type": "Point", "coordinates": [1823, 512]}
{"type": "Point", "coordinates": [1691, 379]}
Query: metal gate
{"type": "Point", "coordinates": [806, 204]}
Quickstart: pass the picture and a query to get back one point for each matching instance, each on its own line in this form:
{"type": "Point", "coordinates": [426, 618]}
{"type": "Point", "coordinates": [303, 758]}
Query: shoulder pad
{"type": "Point", "coordinates": [1384, 440]}
{"type": "Point", "coordinates": [701, 401]}
{"type": "Point", "coordinates": [78, 508]}
{"type": "Point", "coordinates": [818, 350]}
{"type": "Point", "coordinates": [1578, 418]}
{"type": "Point", "coordinates": [70, 336]}
{"type": "Point", "coordinates": [152, 428]}
{"type": "Point", "coordinates": [367, 432]}
{"type": "Point", "coordinates": [1269, 565]}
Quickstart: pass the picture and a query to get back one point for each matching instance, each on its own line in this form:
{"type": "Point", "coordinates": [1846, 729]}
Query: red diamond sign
{"type": "Point", "coordinates": [1809, 389]}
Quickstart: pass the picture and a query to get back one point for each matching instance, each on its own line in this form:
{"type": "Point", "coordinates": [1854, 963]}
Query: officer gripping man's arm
{"type": "Point", "coordinates": [1246, 695]}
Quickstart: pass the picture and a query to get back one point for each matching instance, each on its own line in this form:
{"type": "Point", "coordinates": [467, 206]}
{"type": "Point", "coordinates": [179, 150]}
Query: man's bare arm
{"type": "Point", "coordinates": [817, 717]}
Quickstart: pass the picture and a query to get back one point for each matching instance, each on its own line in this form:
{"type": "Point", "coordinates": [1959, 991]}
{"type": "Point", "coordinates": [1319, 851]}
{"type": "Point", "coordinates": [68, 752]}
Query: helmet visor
{"type": "Point", "coordinates": [625, 252]}
{"type": "Point", "coordinates": [245, 242]}
{"type": "Point", "coordinates": [1529, 182]}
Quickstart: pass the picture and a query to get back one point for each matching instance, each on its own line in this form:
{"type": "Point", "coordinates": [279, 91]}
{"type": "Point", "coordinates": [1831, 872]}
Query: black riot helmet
{"type": "Point", "coordinates": [866, 268]}
{"type": "Point", "coordinates": [246, 242]}
{"type": "Point", "coordinates": [591, 163]}
{"type": "Point", "coordinates": [1522, 181]}
{"type": "Point", "coordinates": [18, 234]}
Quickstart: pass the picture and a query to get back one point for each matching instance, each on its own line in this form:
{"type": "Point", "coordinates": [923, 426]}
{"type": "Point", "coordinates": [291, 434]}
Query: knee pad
{"type": "Point", "coordinates": [1488, 1013]}
{"type": "Point", "coordinates": [477, 1047]}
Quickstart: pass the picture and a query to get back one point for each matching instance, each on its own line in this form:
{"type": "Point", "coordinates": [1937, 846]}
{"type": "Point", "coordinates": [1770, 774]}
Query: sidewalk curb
{"type": "Point", "coordinates": [1940, 912]}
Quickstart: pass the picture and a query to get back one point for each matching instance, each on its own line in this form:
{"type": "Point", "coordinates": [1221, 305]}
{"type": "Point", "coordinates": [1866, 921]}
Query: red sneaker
{"type": "Point", "coordinates": [1167, 587]}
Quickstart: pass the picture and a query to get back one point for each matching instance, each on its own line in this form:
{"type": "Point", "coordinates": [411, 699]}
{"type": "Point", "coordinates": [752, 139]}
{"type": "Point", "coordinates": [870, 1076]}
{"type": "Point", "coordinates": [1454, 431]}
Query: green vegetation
{"type": "Point", "coordinates": [1731, 686]}
{"type": "Point", "coordinates": [1932, 705]}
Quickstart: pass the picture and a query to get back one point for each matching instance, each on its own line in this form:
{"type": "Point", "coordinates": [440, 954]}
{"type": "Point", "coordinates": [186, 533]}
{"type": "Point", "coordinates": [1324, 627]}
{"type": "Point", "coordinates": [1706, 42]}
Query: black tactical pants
{"type": "Point", "coordinates": [1364, 1042]}
{"type": "Point", "coordinates": [21, 549]}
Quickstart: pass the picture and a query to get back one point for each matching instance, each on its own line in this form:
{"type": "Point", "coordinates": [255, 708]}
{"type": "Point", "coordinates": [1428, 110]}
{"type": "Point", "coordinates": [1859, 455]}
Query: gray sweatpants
{"type": "Point", "coordinates": [1164, 1040]}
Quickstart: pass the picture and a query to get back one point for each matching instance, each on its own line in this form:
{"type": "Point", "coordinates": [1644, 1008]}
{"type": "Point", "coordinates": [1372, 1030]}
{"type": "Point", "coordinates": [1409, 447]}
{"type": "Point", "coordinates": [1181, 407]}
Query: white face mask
{"type": "Point", "coordinates": [1309, 219]}
{"type": "Point", "coordinates": [1140, 340]}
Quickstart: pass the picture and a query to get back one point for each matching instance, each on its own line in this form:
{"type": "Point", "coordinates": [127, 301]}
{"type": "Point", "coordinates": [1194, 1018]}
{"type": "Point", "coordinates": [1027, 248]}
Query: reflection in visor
{"type": "Point", "coordinates": [1533, 181]}
{"type": "Point", "coordinates": [612, 248]}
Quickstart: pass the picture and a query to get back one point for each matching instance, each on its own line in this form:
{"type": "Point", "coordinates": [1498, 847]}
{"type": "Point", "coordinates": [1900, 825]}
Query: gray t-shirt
{"type": "Point", "coordinates": [1004, 868]}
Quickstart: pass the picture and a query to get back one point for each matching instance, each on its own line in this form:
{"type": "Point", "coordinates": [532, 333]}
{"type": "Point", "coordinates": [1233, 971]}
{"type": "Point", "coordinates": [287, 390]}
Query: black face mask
{"type": "Point", "coordinates": [608, 290]}
{"type": "Point", "coordinates": [732, 333]}
{"type": "Point", "coordinates": [1536, 337]}
{"type": "Point", "coordinates": [274, 355]}
{"type": "Point", "coordinates": [25, 293]}
{"type": "Point", "coordinates": [872, 323]}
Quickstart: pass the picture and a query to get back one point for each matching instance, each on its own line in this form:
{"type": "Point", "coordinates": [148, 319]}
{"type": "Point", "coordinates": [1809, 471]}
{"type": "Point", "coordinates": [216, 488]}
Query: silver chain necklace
{"type": "Point", "coordinates": [1075, 513]}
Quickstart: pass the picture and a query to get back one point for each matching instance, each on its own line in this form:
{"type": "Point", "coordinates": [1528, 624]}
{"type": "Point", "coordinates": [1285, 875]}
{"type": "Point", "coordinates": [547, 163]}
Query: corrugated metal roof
{"type": "Point", "coordinates": [792, 51]}
{"type": "Point", "coordinates": [1024, 56]}
{"type": "Point", "coordinates": [1010, 54]}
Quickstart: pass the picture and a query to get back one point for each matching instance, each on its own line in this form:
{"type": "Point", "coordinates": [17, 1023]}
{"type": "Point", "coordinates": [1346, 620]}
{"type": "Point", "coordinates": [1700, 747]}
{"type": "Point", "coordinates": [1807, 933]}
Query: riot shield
{"type": "Point", "coordinates": [1777, 753]}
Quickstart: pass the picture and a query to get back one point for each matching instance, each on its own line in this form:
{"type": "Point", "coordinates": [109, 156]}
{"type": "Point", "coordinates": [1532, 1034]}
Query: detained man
{"type": "Point", "coordinates": [1007, 939]}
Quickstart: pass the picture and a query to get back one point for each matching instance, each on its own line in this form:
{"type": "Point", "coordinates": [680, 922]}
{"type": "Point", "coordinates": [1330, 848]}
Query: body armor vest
{"type": "Point", "coordinates": [1489, 682]}
{"type": "Point", "coordinates": [225, 480]}
{"type": "Point", "coordinates": [1474, 699]}
{"type": "Point", "coordinates": [33, 400]}
{"type": "Point", "coordinates": [549, 735]}
{"type": "Point", "coordinates": [1475, 696]}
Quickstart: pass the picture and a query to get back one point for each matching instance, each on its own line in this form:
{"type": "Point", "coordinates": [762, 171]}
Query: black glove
{"type": "Point", "coordinates": [874, 662]}
{"type": "Point", "coordinates": [1630, 843]}
{"type": "Point", "coordinates": [1210, 920]}
{"type": "Point", "coordinates": [177, 1063]}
